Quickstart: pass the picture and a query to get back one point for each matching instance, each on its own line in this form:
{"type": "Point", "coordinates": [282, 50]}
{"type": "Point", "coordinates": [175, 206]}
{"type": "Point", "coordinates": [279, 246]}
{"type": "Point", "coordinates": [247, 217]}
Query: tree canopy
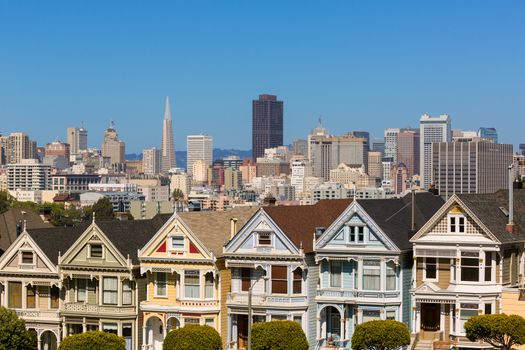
{"type": "Point", "coordinates": [177, 195]}
{"type": "Point", "coordinates": [193, 337]}
{"type": "Point", "coordinates": [278, 335]}
{"type": "Point", "coordinates": [501, 331]}
{"type": "Point", "coordinates": [94, 340]}
{"type": "Point", "coordinates": [380, 335]}
{"type": "Point", "coordinates": [103, 209]}
{"type": "Point", "coordinates": [13, 332]}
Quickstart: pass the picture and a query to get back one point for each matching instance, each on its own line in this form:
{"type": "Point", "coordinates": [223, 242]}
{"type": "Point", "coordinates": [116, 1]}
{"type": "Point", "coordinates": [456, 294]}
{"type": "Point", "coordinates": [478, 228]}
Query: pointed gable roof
{"type": "Point", "coordinates": [299, 222]}
{"type": "Point", "coordinates": [10, 218]}
{"type": "Point", "coordinates": [212, 228]}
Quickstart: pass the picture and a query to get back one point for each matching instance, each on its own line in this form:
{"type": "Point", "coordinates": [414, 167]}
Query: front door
{"type": "Point", "coordinates": [242, 331]}
{"type": "Point", "coordinates": [430, 319]}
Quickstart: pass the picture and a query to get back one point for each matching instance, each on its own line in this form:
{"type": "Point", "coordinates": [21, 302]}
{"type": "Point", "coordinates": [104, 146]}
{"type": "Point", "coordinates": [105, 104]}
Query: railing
{"type": "Point", "coordinates": [330, 293]}
{"type": "Point", "coordinates": [199, 303]}
{"type": "Point", "coordinates": [146, 347]}
{"type": "Point", "coordinates": [261, 299]}
{"type": "Point", "coordinates": [99, 309]}
{"type": "Point", "coordinates": [37, 314]}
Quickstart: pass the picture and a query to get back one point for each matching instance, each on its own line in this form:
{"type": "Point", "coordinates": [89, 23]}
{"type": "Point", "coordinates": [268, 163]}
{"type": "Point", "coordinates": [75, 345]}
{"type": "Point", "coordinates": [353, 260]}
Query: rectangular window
{"type": "Point", "coordinates": [245, 279]}
{"type": "Point", "coordinates": [352, 233]}
{"type": "Point", "coordinates": [488, 266]}
{"type": "Point", "coordinates": [469, 267]}
{"type": "Point", "coordinates": [191, 321]}
{"type": "Point", "coordinates": [390, 314]}
{"type": "Point", "coordinates": [452, 224]}
{"type": "Point", "coordinates": [110, 328]}
{"type": "Point", "coordinates": [488, 309]}
{"type": "Point", "coordinates": [127, 292]}
{"type": "Point", "coordinates": [371, 315]}
{"type": "Point", "coordinates": [209, 322]}
{"type": "Point", "coordinates": [298, 319]}
{"type": "Point", "coordinates": [161, 282]}
{"type": "Point", "coordinates": [208, 285]}
{"type": "Point", "coordinates": [279, 279]}
{"type": "Point", "coordinates": [466, 311]}
{"type": "Point", "coordinates": [95, 250]}
{"type": "Point", "coordinates": [431, 268]}
{"type": "Point", "coordinates": [461, 226]}
{"type": "Point", "coordinates": [55, 297]}
{"type": "Point", "coordinates": [31, 297]}
{"type": "Point", "coordinates": [371, 274]}
{"type": "Point", "coordinates": [360, 234]}
{"type": "Point", "coordinates": [265, 238]}
{"type": "Point", "coordinates": [127, 333]}
{"type": "Point", "coordinates": [390, 275]}
{"type": "Point", "coordinates": [297, 281]}
{"type": "Point", "coordinates": [27, 257]}
{"type": "Point", "coordinates": [177, 242]}
{"type": "Point", "coordinates": [335, 273]}
{"type": "Point", "coordinates": [81, 289]}
{"type": "Point", "coordinates": [15, 294]}
{"type": "Point", "coordinates": [110, 290]}
{"type": "Point", "coordinates": [191, 284]}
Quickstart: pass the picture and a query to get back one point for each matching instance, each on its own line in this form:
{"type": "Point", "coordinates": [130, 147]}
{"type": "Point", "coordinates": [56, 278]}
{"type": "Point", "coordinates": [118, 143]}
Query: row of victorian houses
{"type": "Point", "coordinates": [331, 266]}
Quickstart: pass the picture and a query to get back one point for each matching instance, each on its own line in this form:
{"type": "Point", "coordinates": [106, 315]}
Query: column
{"type": "Point", "coordinates": [119, 327]}
{"type": "Point", "coordinates": [119, 291]}
{"type": "Point", "coordinates": [382, 275]}
{"type": "Point", "coordinates": [64, 329]}
{"type": "Point", "coordinates": [144, 336]}
{"type": "Point", "coordinates": [414, 272]}
{"type": "Point", "coordinates": [442, 317]}
{"type": "Point", "coordinates": [84, 326]}
{"type": "Point", "coordinates": [24, 295]}
{"type": "Point", "coordinates": [359, 273]}
{"type": "Point", "coordinates": [100, 293]}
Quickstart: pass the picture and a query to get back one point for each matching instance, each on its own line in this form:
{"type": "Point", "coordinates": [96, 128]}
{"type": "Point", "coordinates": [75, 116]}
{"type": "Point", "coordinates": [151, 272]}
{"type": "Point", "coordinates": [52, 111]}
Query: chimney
{"type": "Point", "coordinates": [511, 228]}
{"type": "Point", "coordinates": [233, 227]}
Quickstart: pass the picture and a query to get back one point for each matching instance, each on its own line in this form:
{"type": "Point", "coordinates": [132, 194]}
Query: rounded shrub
{"type": "Point", "coordinates": [278, 335]}
{"type": "Point", "coordinates": [94, 340]}
{"type": "Point", "coordinates": [13, 332]}
{"type": "Point", "coordinates": [193, 337]}
{"type": "Point", "coordinates": [380, 335]}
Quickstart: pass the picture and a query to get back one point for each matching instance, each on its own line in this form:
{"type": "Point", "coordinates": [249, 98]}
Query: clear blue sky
{"type": "Point", "coordinates": [360, 64]}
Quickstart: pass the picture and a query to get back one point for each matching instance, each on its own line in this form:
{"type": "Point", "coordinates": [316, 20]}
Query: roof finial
{"type": "Point", "coordinates": [93, 216]}
{"type": "Point", "coordinates": [25, 226]}
{"type": "Point", "coordinates": [355, 191]}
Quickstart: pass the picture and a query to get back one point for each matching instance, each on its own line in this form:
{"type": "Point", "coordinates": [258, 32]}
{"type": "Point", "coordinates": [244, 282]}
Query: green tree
{"type": "Point", "coordinates": [13, 332]}
{"type": "Point", "coordinates": [193, 337]}
{"type": "Point", "coordinates": [278, 335]}
{"type": "Point", "coordinates": [94, 340]}
{"type": "Point", "coordinates": [5, 202]}
{"type": "Point", "coordinates": [103, 209]}
{"type": "Point", "coordinates": [501, 331]}
{"type": "Point", "coordinates": [380, 335]}
{"type": "Point", "coordinates": [177, 195]}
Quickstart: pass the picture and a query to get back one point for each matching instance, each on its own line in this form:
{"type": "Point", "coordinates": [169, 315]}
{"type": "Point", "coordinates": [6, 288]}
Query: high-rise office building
{"type": "Point", "coordinates": [112, 147]}
{"type": "Point", "coordinates": [28, 175]}
{"type": "Point", "coordinates": [59, 149]}
{"type": "Point", "coordinates": [151, 158]}
{"type": "Point", "coordinates": [168, 146]}
{"type": "Point", "coordinates": [19, 147]}
{"type": "Point", "coordinates": [431, 130]}
{"type": "Point", "coordinates": [470, 167]}
{"type": "Point", "coordinates": [378, 145]}
{"type": "Point", "coordinates": [362, 134]}
{"type": "Point", "coordinates": [77, 140]}
{"type": "Point", "coordinates": [522, 148]}
{"type": "Point", "coordinates": [375, 167]}
{"type": "Point", "coordinates": [267, 124]}
{"type": "Point", "coordinates": [489, 134]}
{"type": "Point", "coordinates": [408, 150]}
{"type": "Point", "coordinates": [199, 147]}
{"type": "Point", "coordinates": [391, 143]}
{"type": "Point", "coordinates": [233, 162]}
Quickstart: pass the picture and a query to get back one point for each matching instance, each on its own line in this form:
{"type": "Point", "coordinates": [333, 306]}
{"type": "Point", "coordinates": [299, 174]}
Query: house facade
{"type": "Point", "coordinates": [464, 256]}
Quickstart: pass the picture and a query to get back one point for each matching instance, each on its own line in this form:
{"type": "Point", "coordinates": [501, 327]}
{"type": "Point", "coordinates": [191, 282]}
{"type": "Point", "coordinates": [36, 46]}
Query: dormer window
{"type": "Point", "coordinates": [357, 234]}
{"type": "Point", "coordinates": [457, 224]}
{"type": "Point", "coordinates": [265, 239]}
{"type": "Point", "coordinates": [95, 251]}
{"type": "Point", "coordinates": [27, 258]}
{"type": "Point", "coordinates": [177, 243]}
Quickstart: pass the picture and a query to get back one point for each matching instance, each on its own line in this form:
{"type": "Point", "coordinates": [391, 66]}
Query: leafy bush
{"type": "Point", "coordinates": [501, 331]}
{"type": "Point", "coordinates": [94, 340]}
{"type": "Point", "coordinates": [380, 335]}
{"type": "Point", "coordinates": [193, 337]}
{"type": "Point", "coordinates": [13, 332]}
{"type": "Point", "coordinates": [278, 335]}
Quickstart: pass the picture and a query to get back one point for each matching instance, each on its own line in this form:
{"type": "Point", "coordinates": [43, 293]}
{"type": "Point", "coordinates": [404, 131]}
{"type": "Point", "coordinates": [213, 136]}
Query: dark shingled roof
{"type": "Point", "coordinates": [486, 207]}
{"type": "Point", "coordinates": [8, 221]}
{"type": "Point", "coordinates": [393, 216]}
{"type": "Point", "coordinates": [127, 236]}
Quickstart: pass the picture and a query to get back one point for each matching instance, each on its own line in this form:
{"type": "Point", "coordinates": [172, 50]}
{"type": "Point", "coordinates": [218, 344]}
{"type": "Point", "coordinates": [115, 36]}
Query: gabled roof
{"type": "Point", "coordinates": [299, 222]}
{"type": "Point", "coordinates": [486, 207]}
{"type": "Point", "coordinates": [127, 236]}
{"type": "Point", "coordinates": [213, 228]}
{"type": "Point", "coordinates": [8, 221]}
{"type": "Point", "coordinates": [394, 215]}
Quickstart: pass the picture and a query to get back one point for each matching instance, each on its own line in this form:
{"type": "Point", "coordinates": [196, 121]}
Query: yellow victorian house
{"type": "Point", "coordinates": [185, 273]}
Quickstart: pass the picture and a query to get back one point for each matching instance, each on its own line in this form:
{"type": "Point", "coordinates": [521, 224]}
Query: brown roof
{"type": "Point", "coordinates": [212, 228]}
{"type": "Point", "coordinates": [8, 221]}
{"type": "Point", "coordinates": [299, 222]}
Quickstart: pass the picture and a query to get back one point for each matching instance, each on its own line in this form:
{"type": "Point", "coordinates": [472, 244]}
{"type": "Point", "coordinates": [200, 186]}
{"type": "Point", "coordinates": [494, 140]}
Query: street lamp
{"type": "Point", "coordinates": [250, 317]}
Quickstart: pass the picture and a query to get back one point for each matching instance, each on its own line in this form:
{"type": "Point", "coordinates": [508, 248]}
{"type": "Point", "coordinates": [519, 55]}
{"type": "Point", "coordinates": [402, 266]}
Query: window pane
{"type": "Point", "coordinates": [55, 297]}
{"type": "Point", "coordinates": [431, 268]}
{"type": "Point", "coordinates": [27, 257]}
{"type": "Point", "coordinates": [265, 238]}
{"type": "Point", "coordinates": [208, 286]}
{"type": "Point", "coordinates": [371, 275]}
{"type": "Point", "coordinates": [15, 294]}
{"type": "Point", "coordinates": [81, 289]}
{"type": "Point", "coordinates": [370, 315]}
{"type": "Point", "coordinates": [335, 273]}
{"type": "Point", "coordinates": [161, 283]}
{"type": "Point", "coordinates": [96, 250]}
{"type": "Point", "coordinates": [280, 279]}
{"type": "Point", "coordinates": [127, 292]}
{"type": "Point", "coordinates": [297, 281]}
{"type": "Point", "coordinates": [177, 242]}
{"type": "Point", "coordinates": [110, 292]}
{"type": "Point", "coordinates": [390, 275]}
{"type": "Point", "coordinates": [30, 299]}
{"type": "Point", "coordinates": [360, 234]}
{"type": "Point", "coordinates": [245, 279]}
{"type": "Point", "coordinates": [191, 284]}
{"type": "Point", "coordinates": [470, 269]}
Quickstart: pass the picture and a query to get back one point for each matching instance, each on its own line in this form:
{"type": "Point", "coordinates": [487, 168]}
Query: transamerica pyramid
{"type": "Point", "coordinates": [167, 148]}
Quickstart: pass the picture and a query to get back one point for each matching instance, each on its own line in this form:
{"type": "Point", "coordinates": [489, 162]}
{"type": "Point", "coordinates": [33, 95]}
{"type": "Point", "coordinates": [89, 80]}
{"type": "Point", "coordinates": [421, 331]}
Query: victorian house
{"type": "Point", "coordinates": [271, 258]}
{"type": "Point", "coordinates": [101, 279]}
{"type": "Point", "coordinates": [365, 265]}
{"type": "Point", "coordinates": [465, 255]}
{"type": "Point", "coordinates": [185, 274]}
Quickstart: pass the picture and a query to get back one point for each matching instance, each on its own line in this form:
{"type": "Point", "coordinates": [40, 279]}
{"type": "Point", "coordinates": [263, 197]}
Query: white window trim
{"type": "Point", "coordinates": [257, 236]}
{"type": "Point", "coordinates": [456, 223]}
{"type": "Point", "coordinates": [103, 250]}
{"type": "Point", "coordinates": [425, 278]}
{"type": "Point", "coordinates": [183, 285]}
{"type": "Point", "coordinates": [382, 275]}
{"type": "Point", "coordinates": [76, 290]}
{"type": "Point", "coordinates": [155, 286]}
{"type": "Point", "coordinates": [20, 259]}
{"type": "Point", "coordinates": [172, 249]}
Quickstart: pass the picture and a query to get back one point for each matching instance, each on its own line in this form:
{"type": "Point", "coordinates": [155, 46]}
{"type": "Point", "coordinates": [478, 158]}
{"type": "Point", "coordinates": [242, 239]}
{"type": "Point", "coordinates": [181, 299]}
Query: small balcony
{"type": "Point", "coordinates": [342, 294]}
{"type": "Point", "coordinates": [38, 315]}
{"type": "Point", "coordinates": [94, 309]}
{"type": "Point", "coordinates": [267, 300]}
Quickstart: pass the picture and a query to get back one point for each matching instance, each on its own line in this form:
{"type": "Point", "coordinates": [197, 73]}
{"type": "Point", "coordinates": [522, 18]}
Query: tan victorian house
{"type": "Point", "coordinates": [185, 274]}
{"type": "Point", "coordinates": [464, 256]}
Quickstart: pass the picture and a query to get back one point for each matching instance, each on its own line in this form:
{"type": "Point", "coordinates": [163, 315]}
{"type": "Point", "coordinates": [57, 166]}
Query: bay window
{"type": "Point", "coordinates": [208, 285]}
{"type": "Point", "coordinates": [14, 290]}
{"type": "Point", "coordinates": [161, 283]}
{"type": "Point", "coordinates": [127, 292]}
{"type": "Point", "coordinates": [191, 284]}
{"type": "Point", "coordinates": [31, 297]}
{"type": "Point", "coordinates": [390, 275]}
{"type": "Point", "coordinates": [110, 290]}
{"type": "Point", "coordinates": [469, 266]}
{"type": "Point", "coordinates": [279, 279]}
{"type": "Point", "coordinates": [371, 274]}
{"type": "Point", "coordinates": [430, 269]}
{"type": "Point", "coordinates": [335, 273]}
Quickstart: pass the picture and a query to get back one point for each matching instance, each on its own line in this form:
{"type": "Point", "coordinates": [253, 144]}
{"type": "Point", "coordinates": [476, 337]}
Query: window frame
{"type": "Point", "coordinates": [163, 283]}
{"type": "Point", "coordinates": [21, 262]}
{"type": "Point", "coordinates": [375, 267]}
{"type": "Point", "coordinates": [35, 302]}
{"type": "Point", "coordinates": [331, 283]}
{"type": "Point", "coordinates": [197, 286]}
{"type": "Point", "coordinates": [457, 223]}
{"type": "Point", "coordinates": [102, 251]}
{"type": "Point", "coordinates": [14, 305]}
{"type": "Point", "coordinates": [425, 269]}
{"type": "Point", "coordinates": [77, 287]}
{"type": "Point", "coordinates": [52, 299]}
{"type": "Point", "coordinates": [269, 238]}
{"type": "Point", "coordinates": [109, 292]}
{"type": "Point", "coordinates": [387, 276]}
{"type": "Point", "coordinates": [178, 248]}
{"type": "Point", "coordinates": [469, 255]}
{"type": "Point", "coordinates": [127, 284]}
{"type": "Point", "coordinates": [277, 282]}
{"type": "Point", "coordinates": [209, 286]}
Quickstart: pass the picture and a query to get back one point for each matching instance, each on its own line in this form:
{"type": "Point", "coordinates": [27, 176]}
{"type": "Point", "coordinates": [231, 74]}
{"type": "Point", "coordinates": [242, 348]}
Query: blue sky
{"type": "Point", "coordinates": [362, 65]}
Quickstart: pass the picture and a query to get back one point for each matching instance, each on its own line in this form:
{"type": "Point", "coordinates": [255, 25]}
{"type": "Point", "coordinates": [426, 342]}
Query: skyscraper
{"type": "Point", "coordinates": [151, 161]}
{"type": "Point", "coordinates": [391, 143]}
{"type": "Point", "coordinates": [199, 147]}
{"type": "Point", "coordinates": [267, 124]}
{"type": "Point", "coordinates": [431, 130]}
{"type": "Point", "coordinates": [77, 140]}
{"type": "Point", "coordinates": [408, 150]}
{"type": "Point", "coordinates": [488, 133]}
{"type": "Point", "coordinates": [112, 147]}
{"type": "Point", "coordinates": [19, 147]}
{"type": "Point", "coordinates": [168, 147]}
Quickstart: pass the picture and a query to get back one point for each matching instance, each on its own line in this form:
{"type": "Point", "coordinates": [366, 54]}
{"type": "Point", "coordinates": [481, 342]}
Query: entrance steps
{"type": "Point", "coordinates": [424, 345]}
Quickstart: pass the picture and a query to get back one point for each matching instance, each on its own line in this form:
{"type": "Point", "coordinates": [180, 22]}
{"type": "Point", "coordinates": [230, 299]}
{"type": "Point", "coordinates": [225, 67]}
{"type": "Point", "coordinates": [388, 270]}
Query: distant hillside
{"type": "Point", "coordinates": [218, 153]}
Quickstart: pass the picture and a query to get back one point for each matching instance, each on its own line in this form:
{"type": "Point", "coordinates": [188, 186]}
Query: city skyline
{"type": "Point", "coordinates": [362, 66]}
